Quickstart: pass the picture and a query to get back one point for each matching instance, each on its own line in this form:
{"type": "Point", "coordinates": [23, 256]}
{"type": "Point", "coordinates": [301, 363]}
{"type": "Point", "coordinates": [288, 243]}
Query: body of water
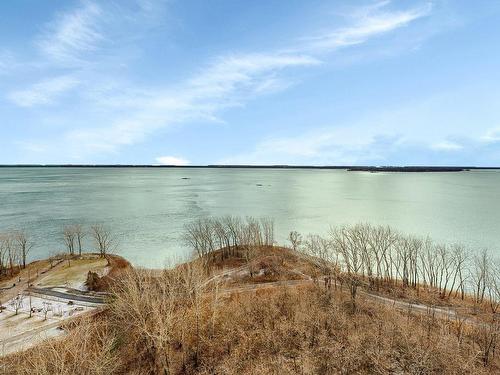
{"type": "Point", "coordinates": [148, 207]}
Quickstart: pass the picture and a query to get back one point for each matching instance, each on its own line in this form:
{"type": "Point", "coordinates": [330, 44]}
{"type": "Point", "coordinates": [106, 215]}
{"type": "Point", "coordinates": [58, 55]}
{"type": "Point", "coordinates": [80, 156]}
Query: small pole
{"type": "Point", "coordinates": [31, 309]}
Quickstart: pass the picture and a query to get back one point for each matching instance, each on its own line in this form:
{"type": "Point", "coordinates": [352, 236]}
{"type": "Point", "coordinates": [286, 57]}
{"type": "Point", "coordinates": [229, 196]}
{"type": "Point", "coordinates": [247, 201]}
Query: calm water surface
{"type": "Point", "coordinates": [148, 207]}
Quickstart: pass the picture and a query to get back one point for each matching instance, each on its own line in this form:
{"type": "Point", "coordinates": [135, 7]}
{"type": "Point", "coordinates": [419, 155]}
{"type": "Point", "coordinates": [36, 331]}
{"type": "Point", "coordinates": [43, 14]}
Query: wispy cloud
{"type": "Point", "coordinates": [72, 34]}
{"type": "Point", "coordinates": [44, 92]}
{"type": "Point", "coordinates": [491, 136]}
{"type": "Point", "coordinates": [228, 81]}
{"type": "Point", "coordinates": [368, 22]}
{"type": "Point", "coordinates": [171, 160]}
{"type": "Point", "coordinates": [231, 80]}
{"type": "Point", "coordinates": [337, 145]}
{"type": "Point", "coordinates": [6, 61]}
{"type": "Point", "coordinates": [446, 146]}
{"type": "Point", "coordinates": [128, 114]}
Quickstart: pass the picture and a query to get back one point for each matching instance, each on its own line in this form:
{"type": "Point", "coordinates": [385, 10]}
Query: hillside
{"type": "Point", "coordinates": [277, 311]}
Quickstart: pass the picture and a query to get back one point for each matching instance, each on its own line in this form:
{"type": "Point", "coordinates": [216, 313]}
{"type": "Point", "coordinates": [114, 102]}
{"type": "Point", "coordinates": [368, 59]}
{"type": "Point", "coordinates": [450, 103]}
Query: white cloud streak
{"type": "Point", "coordinates": [44, 92]}
{"type": "Point", "coordinates": [368, 22]}
{"type": "Point", "coordinates": [491, 136]}
{"type": "Point", "coordinates": [72, 34]}
{"type": "Point", "coordinates": [6, 62]}
{"type": "Point", "coordinates": [339, 145]}
{"type": "Point", "coordinates": [229, 81]}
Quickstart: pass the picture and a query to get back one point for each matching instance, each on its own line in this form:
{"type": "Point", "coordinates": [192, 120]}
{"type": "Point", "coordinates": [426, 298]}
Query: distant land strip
{"type": "Point", "coordinates": [344, 167]}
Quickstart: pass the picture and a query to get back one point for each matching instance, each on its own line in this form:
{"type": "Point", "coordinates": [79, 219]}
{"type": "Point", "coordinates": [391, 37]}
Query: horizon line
{"type": "Point", "coordinates": [291, 166]}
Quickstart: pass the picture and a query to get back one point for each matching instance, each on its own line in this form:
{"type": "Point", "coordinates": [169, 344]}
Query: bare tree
{"type": "Point", "coordinates": [193, 237]}
{"type": "Point", "coordinates": [460, 259]}
{"type": "Point", "coordinates": [445, 268]}
{"type": "Point", "coordinates": [5, 243]}
{"type": "Point", "coordinates": [267, 228]}
{"type": "Point", "coordinates": [345, 242]}
{"type": "Point", "coordinates": [69, 239]}
{"type": "Point", "coordinates": [321, 251]}
{"type": "Point", "coordinates": [488, 337]}
{"type": "Point", "coordinates": [233, 225]}
{"type": "Point", "coordinates": [103, 239]}
{"type": "Point", "coordinates": [295, 239]}
{"type": "Point", "coordinates": [147, 306]}
{"type": "Point", "coordinates": [79, 236]}
{"type": "Point", "coordinates": [222, 235]}
{"type": "Point", "coordinates": [12, 253]}
{"type": "Point", "coordinates": [24, 245]}
{"type": "Point", "coordinates": [428, 263]}
{"type": "Point", "coordinates": [254, 230]}
{"type": "Point", "coordinates": [479, 275]}
{"type": "Point", "coordinates": [46, 308]}
{"type": "Point", "coordinates": [493, 285]}
{"type": "Point", "coordinates": [17, 303]}
{"type": "Point", "coordinates": [382, 240]}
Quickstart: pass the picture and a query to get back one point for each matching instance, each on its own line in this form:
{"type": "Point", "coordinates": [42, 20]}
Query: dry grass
{"type": "Point", "coordinates": [174, 323]}
{"type": "Point", "coordinates": [117, 266]}
{"type": "Point", "coordinates": [74, 273]}
{"type": "Point", "coordinates": [88, 348]}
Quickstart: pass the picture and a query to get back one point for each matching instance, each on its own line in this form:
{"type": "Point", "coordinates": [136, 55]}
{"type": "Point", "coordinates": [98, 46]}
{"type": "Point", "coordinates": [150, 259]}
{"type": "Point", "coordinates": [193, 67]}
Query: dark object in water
{"type": "Point", "coordinates": [185, 178]}
{"type": "Point", "coordinates": [258, 184]}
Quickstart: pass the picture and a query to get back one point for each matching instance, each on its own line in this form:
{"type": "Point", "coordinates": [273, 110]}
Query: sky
{"type": "Point", "coordinates": [250, 82]}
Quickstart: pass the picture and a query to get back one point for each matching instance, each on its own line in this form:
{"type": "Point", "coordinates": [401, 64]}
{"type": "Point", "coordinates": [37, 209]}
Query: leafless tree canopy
{"type": "Point", "coordinates": [104, 239]}
{"type": "Point", "coordinates": [380, 255]}
{"type": "Point", "coordinates": [73, 236]}
{"type": "Point", "coordinates": [14, 249]}
{"type": "Point", "coordinates": [228, 234]}
{"type": "Point", "coordinates": [69, 239]}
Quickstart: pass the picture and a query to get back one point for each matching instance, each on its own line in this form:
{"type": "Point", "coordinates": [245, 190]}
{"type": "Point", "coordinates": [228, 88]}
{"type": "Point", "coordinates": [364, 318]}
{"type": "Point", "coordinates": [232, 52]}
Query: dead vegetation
{"type": "Point", "coordinates": [193, 319]}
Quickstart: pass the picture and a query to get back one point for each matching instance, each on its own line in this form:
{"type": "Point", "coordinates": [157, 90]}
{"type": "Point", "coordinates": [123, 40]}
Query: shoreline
{"type": "Point", "coordinates": [349, 168]}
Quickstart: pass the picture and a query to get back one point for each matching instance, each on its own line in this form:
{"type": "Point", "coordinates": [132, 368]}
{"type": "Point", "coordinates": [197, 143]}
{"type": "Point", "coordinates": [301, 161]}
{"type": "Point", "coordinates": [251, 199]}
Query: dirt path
{"type": "Point", "coordinates": [446, 313]}
{"type": "Point", "coordinates": [440, 312]}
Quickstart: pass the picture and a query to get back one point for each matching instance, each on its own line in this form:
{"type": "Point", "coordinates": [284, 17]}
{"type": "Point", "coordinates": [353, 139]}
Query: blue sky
{"type": "Point", "coordinates": [250, 82]}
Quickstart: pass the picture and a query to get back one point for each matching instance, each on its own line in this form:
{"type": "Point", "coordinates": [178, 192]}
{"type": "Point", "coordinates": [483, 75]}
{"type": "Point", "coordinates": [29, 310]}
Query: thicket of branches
{"type": "Point", "coordinates": [16, 245]}
{"type": "Point", "coordinates": [174, 323]}
{"type": "Point", "coordinates": [182, 321]}
{"type": "Point", "coordinates": [360, 254]}
{"type": "Point", "coordinates": [228, 236]}
{"type": "Point", "coordinates": [381, 257]}
{"type": "Point", "coordinates": [14, 249]}
{"type": "Point", "coordinates": [103, 239]}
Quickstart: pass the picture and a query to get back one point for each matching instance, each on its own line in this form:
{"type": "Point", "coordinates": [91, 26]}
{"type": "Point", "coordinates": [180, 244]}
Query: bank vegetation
{"type": "Point", "coordinates": [244, 305]}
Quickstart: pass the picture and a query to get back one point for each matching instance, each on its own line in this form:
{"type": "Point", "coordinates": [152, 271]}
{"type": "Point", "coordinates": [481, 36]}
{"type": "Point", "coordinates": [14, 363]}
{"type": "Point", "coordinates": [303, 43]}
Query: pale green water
{"type": "Point", "coordinates": [148, 207]}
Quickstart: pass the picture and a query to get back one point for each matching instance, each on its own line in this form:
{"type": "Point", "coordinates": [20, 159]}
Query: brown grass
{"type": "Point", "coordinates": [88, 348]}
{"type": "Point", "coordinates": [173, 323]}
{"type": "Point", "coordinates": [117, 267]}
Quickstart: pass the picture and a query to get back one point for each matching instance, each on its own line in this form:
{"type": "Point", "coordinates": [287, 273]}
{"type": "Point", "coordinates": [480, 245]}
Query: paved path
{"type": "Point", "coordinates": [401, 305]}
{"type": "Point", "coordinates": [442, 312]}
{"type": "Point", "coordinates": [68, 296]}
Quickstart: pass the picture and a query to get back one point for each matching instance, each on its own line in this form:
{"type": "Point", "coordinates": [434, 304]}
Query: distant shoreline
{"type": "Point", "coordinates": [333, 167]}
